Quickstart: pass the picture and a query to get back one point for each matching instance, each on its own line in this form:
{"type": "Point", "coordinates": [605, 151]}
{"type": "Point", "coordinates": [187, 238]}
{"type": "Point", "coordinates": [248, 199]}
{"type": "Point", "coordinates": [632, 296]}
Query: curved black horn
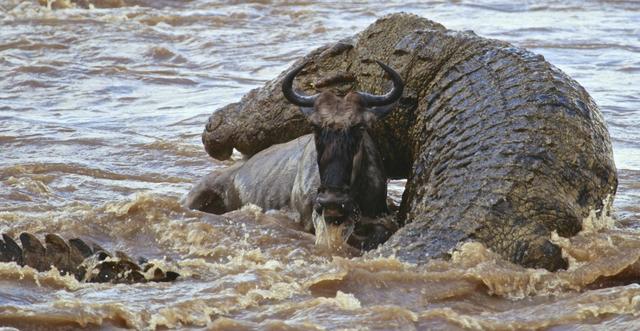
{"type": "Point", "coordinates": [292, 96]}
{"type": "Point", "coordinates": [389, 98]}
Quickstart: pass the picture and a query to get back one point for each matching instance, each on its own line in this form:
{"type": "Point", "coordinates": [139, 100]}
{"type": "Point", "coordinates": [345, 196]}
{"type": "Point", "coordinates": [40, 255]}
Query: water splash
{"type": "Point", "coordinates": [331, 237]}
{"type": "Point", "coordinates": [74, 155]}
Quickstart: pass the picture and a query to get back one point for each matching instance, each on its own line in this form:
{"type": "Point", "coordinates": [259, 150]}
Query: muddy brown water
{"type": "Point", "coordinates": [101, 112]}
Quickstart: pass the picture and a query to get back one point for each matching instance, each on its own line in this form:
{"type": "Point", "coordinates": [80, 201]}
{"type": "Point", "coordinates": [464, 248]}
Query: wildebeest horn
{"type": "Point", "coordinates": [389, 98]}
{"type": "Point", "coordinates": [293, 97]}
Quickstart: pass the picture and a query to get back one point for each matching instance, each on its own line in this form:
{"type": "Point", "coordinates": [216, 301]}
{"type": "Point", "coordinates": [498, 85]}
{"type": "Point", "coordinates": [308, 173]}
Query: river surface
{"type": "Point", "coordinates": [101, 112]}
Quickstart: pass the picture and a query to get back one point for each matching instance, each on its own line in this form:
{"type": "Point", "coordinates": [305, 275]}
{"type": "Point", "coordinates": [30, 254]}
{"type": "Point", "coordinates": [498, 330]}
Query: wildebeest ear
{"type": "Point", "coordinates": [381, 111]}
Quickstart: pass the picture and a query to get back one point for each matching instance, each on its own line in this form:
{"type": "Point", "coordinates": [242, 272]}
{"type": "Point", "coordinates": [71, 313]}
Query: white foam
{"type": "Point", "coordinates": [331, 236]}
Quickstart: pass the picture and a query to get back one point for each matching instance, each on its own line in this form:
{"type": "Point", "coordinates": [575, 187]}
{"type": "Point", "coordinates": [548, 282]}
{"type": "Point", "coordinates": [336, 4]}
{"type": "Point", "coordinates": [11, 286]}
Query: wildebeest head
{"type": "Point", "coordinates": [340, 123]}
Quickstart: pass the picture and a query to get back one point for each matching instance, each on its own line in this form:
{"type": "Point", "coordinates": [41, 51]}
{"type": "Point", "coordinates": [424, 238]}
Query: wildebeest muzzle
{"type": "Point", "coordinates": [336, 205]}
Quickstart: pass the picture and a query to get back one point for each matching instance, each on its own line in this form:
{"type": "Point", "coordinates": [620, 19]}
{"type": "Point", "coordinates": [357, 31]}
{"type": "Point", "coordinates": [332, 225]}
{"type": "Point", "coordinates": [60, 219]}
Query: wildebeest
{"type": "Point", "coordinates": [336, 171]}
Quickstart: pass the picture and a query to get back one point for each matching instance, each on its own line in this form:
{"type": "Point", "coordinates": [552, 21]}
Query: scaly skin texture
{"type": "Point", "coordinates": [75, 257]}
{"type": "Point", "coordinates": [498, 145]}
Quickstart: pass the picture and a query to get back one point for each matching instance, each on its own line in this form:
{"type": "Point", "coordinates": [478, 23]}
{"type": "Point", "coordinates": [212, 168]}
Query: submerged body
{"type": "Point", "coordinates": [74, 257]}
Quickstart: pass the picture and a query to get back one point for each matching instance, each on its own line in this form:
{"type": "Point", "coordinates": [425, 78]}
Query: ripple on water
{"type": "Point", "coordinates": [101, 115]}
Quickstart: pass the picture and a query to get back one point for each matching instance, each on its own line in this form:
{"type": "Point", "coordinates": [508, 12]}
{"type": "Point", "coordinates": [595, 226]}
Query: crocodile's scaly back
{"type": "Point", "coordinates": [498, 145]}
{"type": "Point", "coordinates": [77, 258]}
